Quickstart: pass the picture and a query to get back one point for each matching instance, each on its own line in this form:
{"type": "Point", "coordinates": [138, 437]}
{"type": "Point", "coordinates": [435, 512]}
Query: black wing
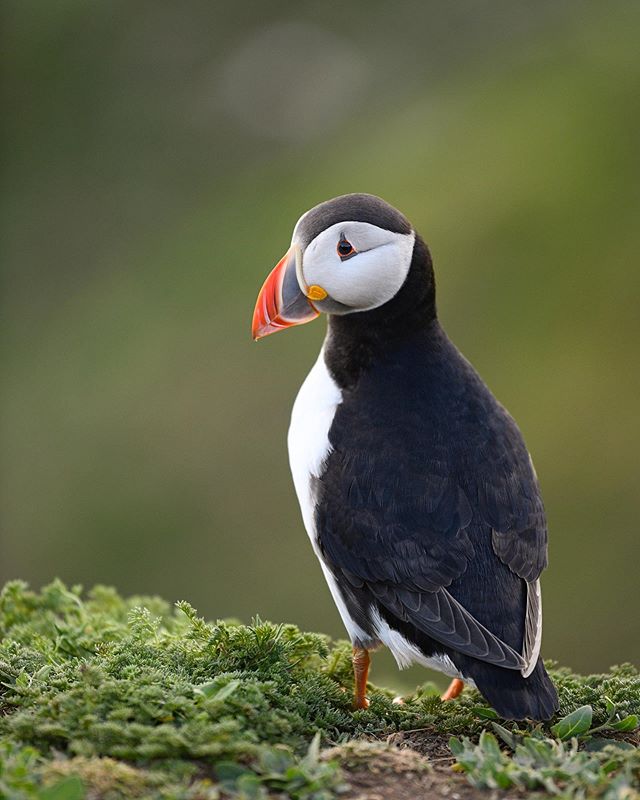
{"type": "Point", "coordinates": [398, 511]}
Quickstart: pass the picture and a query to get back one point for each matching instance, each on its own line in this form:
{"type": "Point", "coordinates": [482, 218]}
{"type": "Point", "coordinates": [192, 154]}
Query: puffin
{"type": "Point", "coordinates": [415, 485]}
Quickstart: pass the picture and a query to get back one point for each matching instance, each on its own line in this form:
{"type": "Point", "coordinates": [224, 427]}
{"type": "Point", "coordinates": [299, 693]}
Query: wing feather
{"type": "Point", "coordinates": [532, 628]}
{"type": "Point", "coordinates": [441, 617]}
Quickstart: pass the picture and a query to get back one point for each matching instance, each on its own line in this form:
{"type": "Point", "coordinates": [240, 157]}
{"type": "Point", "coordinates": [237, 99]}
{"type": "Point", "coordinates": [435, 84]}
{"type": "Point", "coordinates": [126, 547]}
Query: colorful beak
{"type": "Point", "coordinates": [281, 302]}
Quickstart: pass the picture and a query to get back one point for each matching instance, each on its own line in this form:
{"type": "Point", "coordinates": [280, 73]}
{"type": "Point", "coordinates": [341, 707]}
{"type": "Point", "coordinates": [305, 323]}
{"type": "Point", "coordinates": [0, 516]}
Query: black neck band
{"type": "Point", "coordinates": [355, 339]}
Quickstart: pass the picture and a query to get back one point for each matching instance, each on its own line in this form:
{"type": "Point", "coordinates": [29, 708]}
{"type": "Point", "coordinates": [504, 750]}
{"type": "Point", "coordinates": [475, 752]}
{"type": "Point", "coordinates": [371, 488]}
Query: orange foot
{"type": "Point", "coordinates": [361, 661]}
{"type": "Point", "coordinates": [455, 687]}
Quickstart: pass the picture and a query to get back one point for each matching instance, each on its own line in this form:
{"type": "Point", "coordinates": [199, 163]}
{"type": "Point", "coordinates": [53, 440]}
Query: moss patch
{"type": "Point", "coordinates": [134, 698]}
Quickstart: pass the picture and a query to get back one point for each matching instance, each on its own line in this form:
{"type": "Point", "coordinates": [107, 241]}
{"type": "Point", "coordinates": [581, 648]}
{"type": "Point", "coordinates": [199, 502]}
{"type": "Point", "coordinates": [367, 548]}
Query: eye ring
{"type": "Point", "coordinates": [345, 249]}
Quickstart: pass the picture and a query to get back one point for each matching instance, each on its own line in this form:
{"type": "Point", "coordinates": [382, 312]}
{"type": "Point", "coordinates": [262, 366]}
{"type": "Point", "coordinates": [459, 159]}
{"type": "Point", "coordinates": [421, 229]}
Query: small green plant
{"type": "Point", "coordinates": [278, 770]}
{"type": "Point", "coordinates": [579, 722]}
{"type": "Point", "coordinates": [19, 777]}
{"type": "Point", "coordinates": [605, 768]}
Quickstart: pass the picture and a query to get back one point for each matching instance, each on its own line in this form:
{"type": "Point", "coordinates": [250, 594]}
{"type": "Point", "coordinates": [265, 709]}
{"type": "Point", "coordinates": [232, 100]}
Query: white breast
{"type": "Point", "coordinates": [308, 439]}
{"type": "Point", "coordinates": [309, 446]}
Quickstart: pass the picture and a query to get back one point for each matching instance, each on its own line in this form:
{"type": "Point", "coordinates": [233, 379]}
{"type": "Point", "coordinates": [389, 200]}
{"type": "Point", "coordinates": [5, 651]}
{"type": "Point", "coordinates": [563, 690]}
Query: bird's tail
{"type": "Point", "coordinates": [515, 697]}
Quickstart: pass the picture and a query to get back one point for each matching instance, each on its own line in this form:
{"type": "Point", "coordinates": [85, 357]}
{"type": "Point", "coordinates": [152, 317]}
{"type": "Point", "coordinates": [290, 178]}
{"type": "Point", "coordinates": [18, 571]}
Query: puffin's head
{"type": "Point", "coordinates": [349, 254]}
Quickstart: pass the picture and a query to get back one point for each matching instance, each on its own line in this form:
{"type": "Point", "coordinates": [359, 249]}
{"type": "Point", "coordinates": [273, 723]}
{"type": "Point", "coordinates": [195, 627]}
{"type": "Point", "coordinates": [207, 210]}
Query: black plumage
{"type": "Point", "coordinates": [428, 509]}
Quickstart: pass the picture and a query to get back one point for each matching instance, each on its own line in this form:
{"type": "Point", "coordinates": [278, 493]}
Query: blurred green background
{"type": "Point", "coordinates": [156, 156]}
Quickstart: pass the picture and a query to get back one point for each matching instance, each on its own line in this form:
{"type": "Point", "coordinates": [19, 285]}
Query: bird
{"type": "Point", "coordinates": [415, 485]}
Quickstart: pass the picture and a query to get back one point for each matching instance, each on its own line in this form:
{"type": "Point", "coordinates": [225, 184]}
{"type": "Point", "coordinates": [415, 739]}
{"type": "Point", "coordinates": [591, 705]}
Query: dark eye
{"type": "Point", "coordinates": [345, 249]}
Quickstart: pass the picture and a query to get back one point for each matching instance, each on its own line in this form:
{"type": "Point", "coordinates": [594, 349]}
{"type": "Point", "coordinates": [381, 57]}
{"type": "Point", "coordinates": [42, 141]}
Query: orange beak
{"type": "Point", "coordinates": [281, 302]}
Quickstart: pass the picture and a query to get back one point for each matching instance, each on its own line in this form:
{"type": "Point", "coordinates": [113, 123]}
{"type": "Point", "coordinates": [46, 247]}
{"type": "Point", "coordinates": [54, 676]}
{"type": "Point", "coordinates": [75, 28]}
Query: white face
{"type": "Point", "coordinates": [369, 276]}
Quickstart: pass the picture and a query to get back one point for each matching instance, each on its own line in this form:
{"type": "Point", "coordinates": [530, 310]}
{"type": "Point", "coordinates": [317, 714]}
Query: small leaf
{"type": "Point", "coordinates": [484, 712]}
{"type": "Point", "coordinates": [574, 724]}
{"type": "Point", "coordinates": [610, 708]}
{"type": "Point", "coordinates": [213, 691]}
{"type": "Point", "coordinates": [629, 723]}
{"type": "Point", "coordinates": [226, 691]}
{"type": "Point", "coordinates": [503, 780]}
{"type": "Point", "coordinates": [456, 746]}
{"type": "Point", "coordinates": [275, 760]}
{"type": "Point", "coordinates": [622, 745]}
{"type": "Point", "coordinates": [70, 788]}
{"type": "Point", "coordinates": [42, 673]}
{"type": "Point", "coordinates": [206, 689]}
{"type": "Point", "coordinates": [599, 743]}
{"type": "Point", "coordinates": [228, 772]}
{"type": "Point", "coordinates": [313, 753]}
{"type": "Point", "coordinates": [489, 743]}
{"type": "Point", "coordinates": [537, 751]}
{"type": "Point", "coordinates": [507, 737]}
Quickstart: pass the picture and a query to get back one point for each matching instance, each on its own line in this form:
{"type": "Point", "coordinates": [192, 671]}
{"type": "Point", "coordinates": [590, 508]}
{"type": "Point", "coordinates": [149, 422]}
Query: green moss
{"type": "Point", "coordinates": [89, 683]}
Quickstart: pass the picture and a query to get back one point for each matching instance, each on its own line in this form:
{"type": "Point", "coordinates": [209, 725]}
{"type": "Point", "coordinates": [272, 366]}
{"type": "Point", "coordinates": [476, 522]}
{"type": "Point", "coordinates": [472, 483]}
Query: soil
{"type": "Point", "coordinates": [412, 765]}
{"type": "Point", "coordinates": [415, 765]}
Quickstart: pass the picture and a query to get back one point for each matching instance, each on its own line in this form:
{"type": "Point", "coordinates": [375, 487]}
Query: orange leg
{"type": "Point", "coordinates": [455, 687]}
{"type": "Point", "coordinates": [361, 661]}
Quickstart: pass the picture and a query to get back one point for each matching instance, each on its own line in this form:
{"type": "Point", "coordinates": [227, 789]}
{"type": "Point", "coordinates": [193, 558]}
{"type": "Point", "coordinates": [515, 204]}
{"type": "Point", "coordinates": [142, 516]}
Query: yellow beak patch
{"type": "Point", "coordinates": [316, 292]}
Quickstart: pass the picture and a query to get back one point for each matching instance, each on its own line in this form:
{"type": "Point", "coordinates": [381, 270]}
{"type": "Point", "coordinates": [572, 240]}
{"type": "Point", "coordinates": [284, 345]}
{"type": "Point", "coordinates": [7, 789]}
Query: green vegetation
{"type": "Point", "coordinates": [610, 771]}
{"type": "Point", "coordinates": [607, 768]}
{"type": "Point", "coordinates": [134, 699]}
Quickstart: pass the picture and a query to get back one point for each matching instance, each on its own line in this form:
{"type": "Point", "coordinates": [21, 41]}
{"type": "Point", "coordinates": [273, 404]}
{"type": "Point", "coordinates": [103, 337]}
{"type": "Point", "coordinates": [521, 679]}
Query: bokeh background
{"type": "Point", "coordinates": [156, 156]}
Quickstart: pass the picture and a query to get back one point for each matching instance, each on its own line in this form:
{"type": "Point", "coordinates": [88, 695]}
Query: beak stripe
{"type": "Point", "coordinates": [281, 302]}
